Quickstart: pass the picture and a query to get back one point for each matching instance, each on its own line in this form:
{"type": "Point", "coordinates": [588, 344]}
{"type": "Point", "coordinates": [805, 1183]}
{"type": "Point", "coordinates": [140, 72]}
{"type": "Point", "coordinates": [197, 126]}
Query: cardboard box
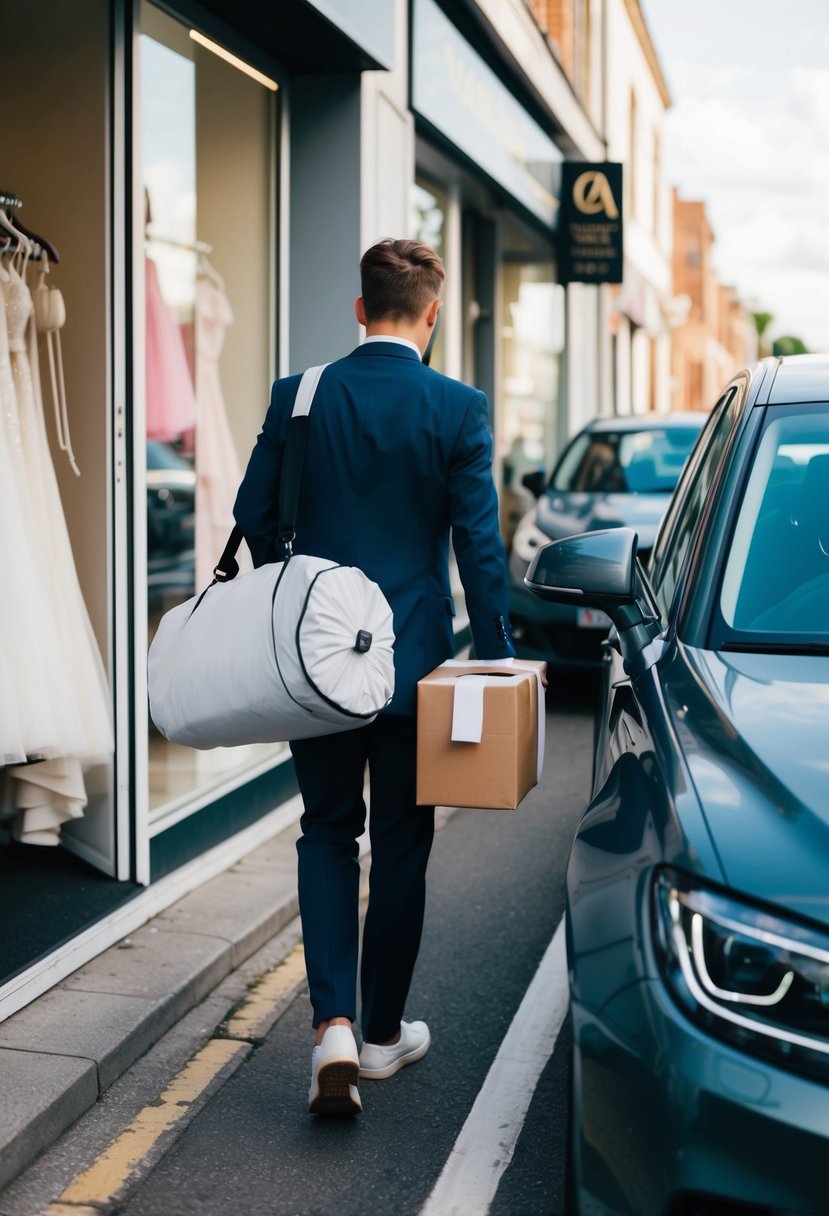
{"type": "Point", "coordinates": [479, 733]}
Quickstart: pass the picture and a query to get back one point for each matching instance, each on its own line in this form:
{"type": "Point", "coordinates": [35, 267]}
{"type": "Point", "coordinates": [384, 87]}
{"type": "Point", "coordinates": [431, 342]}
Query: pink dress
{"type": "Point", "coordinates": [171, 402]}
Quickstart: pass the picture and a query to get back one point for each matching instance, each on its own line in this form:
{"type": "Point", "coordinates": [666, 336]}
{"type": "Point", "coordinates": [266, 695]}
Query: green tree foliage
{"type": "Point", "coordinates": [788, 346]}
{"type": "Point", "coordinates": [762, 320]}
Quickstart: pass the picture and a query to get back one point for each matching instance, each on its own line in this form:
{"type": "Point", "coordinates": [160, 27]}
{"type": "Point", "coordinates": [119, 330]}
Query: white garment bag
{"type": "Point", "coordinates": [295, 649]}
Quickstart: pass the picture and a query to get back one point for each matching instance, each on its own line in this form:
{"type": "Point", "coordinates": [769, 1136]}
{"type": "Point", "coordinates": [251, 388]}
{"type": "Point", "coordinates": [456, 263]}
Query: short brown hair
{"type": "Point", "coordinates": [399, 279]}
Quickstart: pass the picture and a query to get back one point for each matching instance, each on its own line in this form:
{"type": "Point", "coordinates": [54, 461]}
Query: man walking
{"type": "Point", "coordinates": [397, 456]}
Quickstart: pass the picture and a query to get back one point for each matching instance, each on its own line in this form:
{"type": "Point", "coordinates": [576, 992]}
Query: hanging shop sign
{"type": "Point", "coordinates": [460, 95]}
{"type": "Point", "coordinates": [591, 223]}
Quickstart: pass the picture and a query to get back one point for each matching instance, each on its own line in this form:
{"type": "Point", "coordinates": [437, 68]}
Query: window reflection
{"type": "Point", "coordinates": [207, 133]}
{"type": "Point", "coordinates": [777, 577]}
{"type": "Point", "coordinates": [532, 331]}
{"type": "Point", "coordinates": [429, 225]}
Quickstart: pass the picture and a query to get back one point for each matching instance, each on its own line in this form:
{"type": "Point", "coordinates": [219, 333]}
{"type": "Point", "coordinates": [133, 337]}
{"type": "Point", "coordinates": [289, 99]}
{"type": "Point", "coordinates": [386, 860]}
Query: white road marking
{"type": "Point", "coordinates": [484, 1148]}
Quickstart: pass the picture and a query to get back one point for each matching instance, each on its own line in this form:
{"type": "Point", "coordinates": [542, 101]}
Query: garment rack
{"type": "Point", "coordinates": [190, 246]}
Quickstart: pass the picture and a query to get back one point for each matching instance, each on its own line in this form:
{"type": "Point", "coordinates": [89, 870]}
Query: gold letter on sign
{"type": "Point", "coordinates": [592, 194]}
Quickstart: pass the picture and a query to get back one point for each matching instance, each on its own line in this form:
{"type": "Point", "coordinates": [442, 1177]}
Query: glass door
{"type": "Point", "coordinates": [207, 137]}
{"type": "Point", "coordinates": [532, 341]}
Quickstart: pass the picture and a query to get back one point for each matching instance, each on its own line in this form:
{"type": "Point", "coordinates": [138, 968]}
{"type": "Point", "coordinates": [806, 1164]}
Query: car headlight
{"type": "Point", "coordinates": [528, 539]}
{"type": "Point", "coordinates": [751, 976]}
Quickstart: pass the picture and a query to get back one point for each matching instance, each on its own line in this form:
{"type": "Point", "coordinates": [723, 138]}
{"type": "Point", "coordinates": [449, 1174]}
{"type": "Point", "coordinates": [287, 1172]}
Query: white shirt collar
{"type": "Point", "coordinates": [390, 338]}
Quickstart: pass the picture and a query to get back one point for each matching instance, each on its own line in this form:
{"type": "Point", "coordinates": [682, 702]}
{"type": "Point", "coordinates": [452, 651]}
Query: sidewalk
{"type": "Point", "coordinates": [61, 1052]}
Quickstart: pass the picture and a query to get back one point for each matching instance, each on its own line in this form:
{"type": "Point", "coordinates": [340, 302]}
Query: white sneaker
{"type": "Point", "coordinates": [377, 1062]}
{"type": "Point", "coordinates": [335, 1068]}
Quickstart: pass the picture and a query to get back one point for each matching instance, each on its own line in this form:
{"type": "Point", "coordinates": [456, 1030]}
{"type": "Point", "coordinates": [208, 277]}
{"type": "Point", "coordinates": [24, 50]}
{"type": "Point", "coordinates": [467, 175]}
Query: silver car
{"type": "Point", "coordinates": [616, 472]}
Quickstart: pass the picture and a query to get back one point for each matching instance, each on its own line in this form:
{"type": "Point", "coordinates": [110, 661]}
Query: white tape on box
{"type": "Point", "coordinates": [468, 707]}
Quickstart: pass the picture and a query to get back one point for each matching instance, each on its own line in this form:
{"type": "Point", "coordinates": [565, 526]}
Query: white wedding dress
{"type": "Point", "coordinates": [61, 700]}
{"type": "Point", "coordinates": [218, 472]}
{"type": "Point", "coordinates": [32, 722]}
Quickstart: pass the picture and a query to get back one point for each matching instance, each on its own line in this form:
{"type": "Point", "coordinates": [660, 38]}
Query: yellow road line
{"type": "Point", "coordinates": [109, 1174]}
{"type": "Point", "coordinates": [71, 1209]}
{"type": "Point", "coordinates": [111, 1171]}
{"type": "Point", "coordinates": [252, 1018]}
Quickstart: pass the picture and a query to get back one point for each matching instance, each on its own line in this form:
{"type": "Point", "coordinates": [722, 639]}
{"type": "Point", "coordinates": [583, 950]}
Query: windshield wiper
{"type": "Point", "coordinates": [778, 647]}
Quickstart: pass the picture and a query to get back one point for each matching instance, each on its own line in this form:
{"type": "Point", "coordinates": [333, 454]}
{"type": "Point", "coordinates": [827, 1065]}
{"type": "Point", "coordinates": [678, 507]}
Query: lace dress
{"type": "Point", "coordinates": [36, 717]}
{"type": "Point", "coordinates": [75, 684]}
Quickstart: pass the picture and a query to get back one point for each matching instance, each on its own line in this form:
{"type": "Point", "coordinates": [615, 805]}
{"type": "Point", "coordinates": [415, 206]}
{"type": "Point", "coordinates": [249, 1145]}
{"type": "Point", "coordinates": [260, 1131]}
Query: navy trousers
{"type": "Point", "coordinates": [330, 772]}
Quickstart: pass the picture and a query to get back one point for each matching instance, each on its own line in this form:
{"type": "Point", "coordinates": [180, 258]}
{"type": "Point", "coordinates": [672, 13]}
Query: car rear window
{"type": "Point", "coordinates": [776, 578]}
{"type": "Point", "coordinates": [625, 462]}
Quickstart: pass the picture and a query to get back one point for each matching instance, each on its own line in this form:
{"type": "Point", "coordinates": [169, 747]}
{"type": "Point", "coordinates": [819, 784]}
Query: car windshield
{"type": "Point", "coordinates": [776, 579]}
{"type": "Point", "coordinates": [162, 456]}
{"type": "Point", "coordinates": [625, 462]}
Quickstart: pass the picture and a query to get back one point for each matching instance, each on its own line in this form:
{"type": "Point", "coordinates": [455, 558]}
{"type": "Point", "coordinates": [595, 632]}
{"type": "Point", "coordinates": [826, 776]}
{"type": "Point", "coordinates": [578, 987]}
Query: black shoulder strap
{"type": "Point", "coordinates": [290, 478]}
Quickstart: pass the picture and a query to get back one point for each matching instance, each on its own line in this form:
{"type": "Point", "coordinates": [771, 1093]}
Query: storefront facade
{"type": "Point", "coordinates": [202, 169]}
{"type": "Point", "coordinates": [489, 148]}
{"type": "Point", "coordinates": [642, 311]}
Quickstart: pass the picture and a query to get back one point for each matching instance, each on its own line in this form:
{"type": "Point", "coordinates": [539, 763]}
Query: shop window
{"type": "Point", "coordinates": [532, 340]}
{"type": "Point", "coordinates": [59, 854]}
{"type": "Point", "coordinates": [207, 138]}
{"type": "Point", "coordinates": [428, 224]}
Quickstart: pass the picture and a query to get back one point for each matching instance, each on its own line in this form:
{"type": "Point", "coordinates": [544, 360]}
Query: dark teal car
{"type": "Point", "coordinates": [698, 882]}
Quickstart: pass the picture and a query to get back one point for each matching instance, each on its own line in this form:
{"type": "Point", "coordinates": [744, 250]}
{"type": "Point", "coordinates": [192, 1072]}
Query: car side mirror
{"type": "Point", "coordinates": [599, 570]}
{"type": "Point", "coordinates": [535, 481]}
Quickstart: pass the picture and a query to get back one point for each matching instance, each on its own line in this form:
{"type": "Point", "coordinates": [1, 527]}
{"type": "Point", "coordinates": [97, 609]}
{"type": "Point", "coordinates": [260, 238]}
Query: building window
{"type": "Point", "coordinates": [428, 224]}
{"type": "Point", "coordinates": [632, 155]}
{"type": "Point", "coordinates": [583, 51]}
{"type": "Point", "coordinates": [657, 183]}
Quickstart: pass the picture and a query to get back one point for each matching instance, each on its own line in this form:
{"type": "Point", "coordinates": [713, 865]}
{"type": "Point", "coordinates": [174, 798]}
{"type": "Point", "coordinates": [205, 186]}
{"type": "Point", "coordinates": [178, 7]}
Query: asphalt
{"type": "Point", "coordinates": [489, 920]}
{"type": "Point", "coordinates": [495, 899]}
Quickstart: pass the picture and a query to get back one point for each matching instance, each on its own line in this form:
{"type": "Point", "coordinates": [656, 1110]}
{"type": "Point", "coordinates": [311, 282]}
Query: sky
{"type": "Point", "coordinates": [748, 132]}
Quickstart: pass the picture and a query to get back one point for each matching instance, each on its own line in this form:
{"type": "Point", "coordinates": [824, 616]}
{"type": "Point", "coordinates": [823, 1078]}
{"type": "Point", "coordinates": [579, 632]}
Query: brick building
{"type": "Point", "coordinates": [716, 336]}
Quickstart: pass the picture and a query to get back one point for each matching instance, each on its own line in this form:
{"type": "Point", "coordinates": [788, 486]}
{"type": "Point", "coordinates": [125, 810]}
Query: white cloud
{"type": "Point", "coordinates": [761, 162]}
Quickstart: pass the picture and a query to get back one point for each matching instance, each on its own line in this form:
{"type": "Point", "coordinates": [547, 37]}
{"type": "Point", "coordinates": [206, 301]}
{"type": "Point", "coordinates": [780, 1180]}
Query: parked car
{"type": "Point", "coordinates": [698, 881]}
{"type": "Point", "coordinates": [615, 472]}
{"type": "Point", "coordinates": [171, 523]}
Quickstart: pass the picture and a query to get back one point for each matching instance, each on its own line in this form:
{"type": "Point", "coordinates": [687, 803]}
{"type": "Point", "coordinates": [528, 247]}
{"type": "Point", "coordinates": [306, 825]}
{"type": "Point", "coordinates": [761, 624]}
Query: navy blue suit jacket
{"type": "Point", "coordinates": [397, 455]}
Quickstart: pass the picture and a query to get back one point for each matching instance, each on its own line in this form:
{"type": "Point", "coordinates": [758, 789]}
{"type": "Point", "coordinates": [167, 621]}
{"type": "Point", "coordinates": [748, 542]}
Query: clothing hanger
{"type": "Point", "coordinates": [207, 271]}
{"type": "Point", "coordinates": [40, 241]}
{"type": "Point", "coordinates": [24, 248]}
{"type": "Point", "coordinates": [28, 251]}
{"type": "Point", "coordinates": [20, 240]}
{"type": "Point", "coordinates": [159, 238]}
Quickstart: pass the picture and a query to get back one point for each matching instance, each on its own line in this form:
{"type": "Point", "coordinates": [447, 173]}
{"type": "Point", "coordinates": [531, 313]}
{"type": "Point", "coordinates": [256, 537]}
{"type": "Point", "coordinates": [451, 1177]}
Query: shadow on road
{"type": "Point", "coordinates": [573, 691]}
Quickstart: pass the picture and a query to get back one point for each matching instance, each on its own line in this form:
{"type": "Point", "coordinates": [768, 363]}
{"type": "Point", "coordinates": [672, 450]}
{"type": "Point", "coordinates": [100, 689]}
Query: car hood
{"type": "Point", "coordinates": [566, 514]}
{"type": "Point", "coordinates": [754, 730]}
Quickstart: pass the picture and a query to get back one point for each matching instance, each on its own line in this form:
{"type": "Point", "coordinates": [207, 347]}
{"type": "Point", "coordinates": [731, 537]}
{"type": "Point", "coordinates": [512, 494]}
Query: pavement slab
{"type": "Point", "coordinates": [74, 1041]}
{"type": "Point", "coordinates": [237, 906]}
{"type": "Point", "coordinates": [42, 1096]}
{"type": "Point", "coordinates": [110, 1030]}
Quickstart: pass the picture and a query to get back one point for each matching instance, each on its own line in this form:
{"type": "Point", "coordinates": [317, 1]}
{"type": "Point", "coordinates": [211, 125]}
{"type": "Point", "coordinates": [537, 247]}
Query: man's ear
{"type": "Point", "coordinates": [432, 313]}
{"type": "Point", "coordinates": [359, 311]}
